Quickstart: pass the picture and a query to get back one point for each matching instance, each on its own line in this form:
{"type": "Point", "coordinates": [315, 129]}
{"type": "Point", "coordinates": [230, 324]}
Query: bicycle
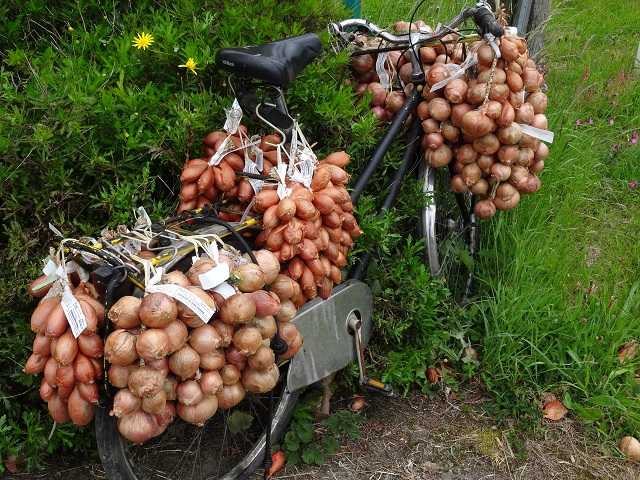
{"type": "Point", "coordinates": [345, 317]}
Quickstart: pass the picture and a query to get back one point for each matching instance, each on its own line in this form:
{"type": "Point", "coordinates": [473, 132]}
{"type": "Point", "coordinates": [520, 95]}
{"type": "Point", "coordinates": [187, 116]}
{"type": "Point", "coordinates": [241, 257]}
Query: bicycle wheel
{"type": "Point", "coordinates": [450, 231]}
{"type": "Point", "coordinates": [229, 446]}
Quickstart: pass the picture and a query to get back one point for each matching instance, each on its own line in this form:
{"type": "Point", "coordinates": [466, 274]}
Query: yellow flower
{"type": "Point", "coordinates": [142, 40]}
{"type": "Point", "coordinates": [190, 65]}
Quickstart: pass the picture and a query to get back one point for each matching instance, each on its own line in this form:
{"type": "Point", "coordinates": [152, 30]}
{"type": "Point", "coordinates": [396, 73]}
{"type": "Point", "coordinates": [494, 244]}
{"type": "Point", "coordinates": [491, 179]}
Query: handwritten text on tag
{"type": "Point", "coordinates": [215, 276]}
{"type": "Point", "coordinates": [73, 312]}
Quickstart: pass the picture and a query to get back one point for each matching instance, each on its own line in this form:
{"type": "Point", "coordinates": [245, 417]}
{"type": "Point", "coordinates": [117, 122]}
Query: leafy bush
{"type": "Point", "coordinates": [93, 127]}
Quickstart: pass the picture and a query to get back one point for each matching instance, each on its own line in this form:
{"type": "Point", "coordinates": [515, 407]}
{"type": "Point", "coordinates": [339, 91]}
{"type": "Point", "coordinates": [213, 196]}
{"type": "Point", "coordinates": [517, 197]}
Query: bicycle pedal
{"type": "Point", "coordinates": [377, 386]}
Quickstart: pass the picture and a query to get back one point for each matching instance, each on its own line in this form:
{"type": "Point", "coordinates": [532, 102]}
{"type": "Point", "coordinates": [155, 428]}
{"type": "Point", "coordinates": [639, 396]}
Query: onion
{"type": "Point", "coordinates": [508, 49]}
{"type": "Point", "coordinates": [161, 365]}
{"type": "Point", "coordinates": [531, 79]}
{"type": "Point", "coordinates": [476, 93]}
{"type": "Point", "coordinates": [91, 345]}
{"type": "Point", "coordinates": [466, 154]}
{"type": "Point", "coordinates": [538, 101]}
{"type": "Point", "coordinates": [439, 109]}
{"type": "Point", "coordinates": [458, 112]}
{"type": "Point", "coordinates": [262, 359]}
{"type": "Point", "coordinates": [46, 391]}
{"type": "Point", "coordinates": [362, 63]}
{"type": "Point", "coordinates": [89, 392]}
{"type": "Point", "coordinates": [212, 360]}
{"type": "Point", "coordinates": [434, 140]}
{"type": "Point", "coordinates": [138, 426]}
{"type": "Point", "coordinates": [471, 173]}
{"type": "Point", "coordinates": [458, 185]}
{"type": "Point", "coordinates": [267, 325]}
{"type": "Point", "coordinates": [199, 413]}
{"type": "Point", "coordinates": [537, 167]}
{"type": "Point", "coordinates": [152, 344]}
{"type": "Point", "coordinates": [287, 312]}
{"type": "Point", "coordinates": [145, 381]}
{"type": "Point", "coordinates": [514, 81]}
{"type": "Point", "coordinates": [436, 74]}
{"type": "Point", "coordinates": [394, 101]}
{"type": "Point", "coordinates": [58, 409]}
{"type": "Point", "coordinates": [83, 369]}
{"type": "Point", "coordinates": [118, 375]}
{"type": "Point", "coordinates": [485, 55]}
{"type": "Point", "coordinates": [41, 314]}
{"type": "Point", "coordinates": [267, 303]}
{"type": "Point", "coordinates": [439, 157]}
{"type": "Point", "coordinates": [500, 172]}
{"type": "Point", "coordinates": [176, 278]}
{"type": "Point", "coordinates": [185, 362]}
{"type": "Point", "coordinates": [166, 417]}
{"type": "Point", "coordinates": [56, 322]}
{"type": "Point", "coordinates": [189, 392]}
{"type": "Point", "coordinates": [528, 141]}
{"type": "Point", "coordinates": [247, 340]}
{"type": "Point", "coordinates": [525, 113]}
{"type": "Point", "coordinates": [487, 144]}
{"type": "Point", "coordinates": [224, 330]}
{"type": "Point", "coordinates": [477, 124]}
{"type": "Point", "coordinates": [50, 369]}
{"type": "Point", "coordinates": [516, 99]}
{"type": "Point", "coordinates": [177, 333]}
{"type": "Point", "coordinates": [211, 383]}
{"type": "Point", "coordinates": [449, 132]}
{"type": "Point", "coordinates": [485, 162]}
{"type": "Point", "coordinates": [507, 197]}
{"type": "Point", "coordinates": [120, 348]}
{"type": "Point", "coordinates": [283, 287]}
{"type": "Point", "coordinates": [484, 209]}
{"type": "Point", "coordinates": [630, 447]}
{"type": "Point", "coordinates": [187, 315]}
{"type": "Point", "coordinates": [499, 92]}
{"type": "Point", "coordinates": [290, 334]}
{"type": "Point", "coordinates": [525, 157]}
{"type": "Point", "coordinates": [508, 154]}
{"type": "Point", "coordinates": [456, 90]}
{"type": "Point", "coordinates": [378, 94]}
{"type": "Point", "coordinates": [239, 308]}
{"type": "Point", "coordinates": [157, 310]}
{"type": "Point", "coordinates": [430, 126]}
{"type": "Point", "coordinates": [66, 348]}
{"type": "Point", "coordinates": [205, 339]}
{"type": "Point", "coordinates": [269, 265]}
{"type": "Point", "coordinates": [533, 184]}
{"type": "Point", "coordinates": [507, 116]}
{"type": "Point", "coordinates": [124, 402]}
{"type": "Point", "coordinates": [230, 374]}
{"type": "Point", "coordinates": [124, 313]}
{"type": "Point", "coordinates": [257, 381]}
{"type": "Point", "coordinates": [542, 152]}
{"type": "Point", "coordinates": [65, 377]}
{"type": "Point", "coordinates": [499, 76]}
{"type": "Point", "coordinates": [540, 121]}
{"type": "Point", "coordinates": [493, 110]}
{"type": "Point", "coordinates": [35, 364]}
{"type": "Point", "coordinates": [510, 135]}
{"type": "Point", "coordinates": [200, 266]}
{"type": "Point", "coordinates": [230, 396]}
{"type": "Point", "coordinates": [80, 411]}
{"type": "Point", "coordinates": [518, 177]}
{"type": "Point", "coordinates": [249, 277]}
{"type": "Point", "coordinates": [234, 357]}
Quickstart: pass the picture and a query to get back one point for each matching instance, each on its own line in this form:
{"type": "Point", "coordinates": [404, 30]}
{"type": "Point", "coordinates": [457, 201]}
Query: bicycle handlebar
{"type": "Point", "coordinates": [481, 14]}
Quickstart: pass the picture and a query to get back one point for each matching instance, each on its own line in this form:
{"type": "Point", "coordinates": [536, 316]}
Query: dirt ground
{"type": "Point", "coordinates": [434, 439]}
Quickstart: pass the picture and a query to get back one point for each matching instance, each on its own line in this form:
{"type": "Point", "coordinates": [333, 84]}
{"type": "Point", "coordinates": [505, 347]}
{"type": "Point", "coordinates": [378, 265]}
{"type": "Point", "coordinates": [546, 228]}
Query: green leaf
{"type": "Point", "coordinates": [313, 455]}
{"type": "Point", "coordinates": [239, 421]}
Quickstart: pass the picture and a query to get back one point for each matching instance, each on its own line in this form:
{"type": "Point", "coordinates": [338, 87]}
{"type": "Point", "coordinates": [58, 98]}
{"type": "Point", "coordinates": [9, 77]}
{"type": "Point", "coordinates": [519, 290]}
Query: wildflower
{"type": "Point", "coordinates": [633, 184]}
{"type": "Point", "coordinates": [190, 65]}
{"type": "Point", "coordinates": [634, 138]}
{"type": "Point", "coordinates": [142, 40]}
{"type": "Point", "coordinates": [70, 28]}
{"type": "Point", "coordinates": [578, 122]}
{"type": "Point", "coordinates": [590, 121]}
{"type": "Point", "coordinates": [611, 121]}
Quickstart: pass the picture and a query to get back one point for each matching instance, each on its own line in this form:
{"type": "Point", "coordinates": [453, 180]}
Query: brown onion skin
{"type": "Point", "coordinates": [120, 348]}
{"type": "Point", "coordinates": [56, 322]}
{"type": "Point", "coordinates": [456, 90]}
{"type": "Point", "coordinates": [138, 426]}
{"type": "Point", "coordinates": [267, 303]}
{"type": "Point", "coordinates": [458, 112]}
{"type": "Point", "coordinates": [177, 333]}
{"type": "Point", "coordinates": [239, 308]}
{"type": "Point", "coordinates": [189, 392]}
{"type": "Point", "coordinates": [189, 317]}
{"type": "Point", "coordinates": [58, 409]}
{"type": "Point", "coordinates": [124, 402]}
{"type": "Point", "coordinates": [40, 315]}
{"type": "Point", "coordinates": [80, 411]}
{"type": "Point", "coordinates": [484, 209]}
{"type": "Point", "coordinates": [507, 116]}
{"type": "Point", "coordinates": [262, 359]}
{"type": "Point", "coordinates": [269, 264]}
{"type": "Point", "coordinates": [211, 383]}
{"type": "Point", "coordinates": [185, 362]}
{"type": "Point", "coordinates": [439, 157]}
{"type": "Point", "coordinates": [124, 313]}
{"type": "Point", "coordinates": [157, 310]}
{"type": "Point", "coordinates": [199, 413]}
{"type": "Point", "coordinates": [247, 340]}
{"type": "Point", "coordinates": [267, 325]}
{"type": "Point", "coordinates": [230, 396]}
{"type": "Point", "coordinates": [46, 391]}
{"type": "Point", "coordinates": [225, 332]}
{"type": "Point", "coordinates": [477, 124]}
{"type": "Point", "coordinates": [66, 348]}
{"type": "Point", "coordinates": [487, 144]}
{"type": "Point", "coordinates": [145, 381]}
{"type": "Point", "coordinates": [91, 345]}
{"type": "Point", "coordinates": [152, 344]}
{"type": "Point", "coordinates": [257, 381]}
{"type": "Point", "coordinates": [205, 339]}
{"type": "Point", "coordinates": [119, 375]}
{"type": "Point", "coordinates": [83, 369]}
{"type": "Point", "coordinates": [176, 277]}
{"type": "Point", "coordinates": [507, 197]}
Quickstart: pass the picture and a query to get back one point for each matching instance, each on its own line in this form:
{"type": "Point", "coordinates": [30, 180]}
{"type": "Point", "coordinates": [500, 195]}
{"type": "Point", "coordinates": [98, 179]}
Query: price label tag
{"type": "Point", "coordinates": [251, 167]}
{"type": "Point", "coordinates": [50, 268]}
{"type": "Point", "coordinates": [382, 71]}
{"type": "Point", "coordinates": [225, 289]}
{"type": "Point", "coordinates": [225, 147]}
{"type": "Point", "coordinates": [544, 135]}
{"type": "Point", "coordinates": [73, 312]}
{"type": "Point", "coordinates": [201, 309]}
{"type": "Point", "coordinates": [215, 276]}
{"type": "Point", "coordinates": [234, 115]}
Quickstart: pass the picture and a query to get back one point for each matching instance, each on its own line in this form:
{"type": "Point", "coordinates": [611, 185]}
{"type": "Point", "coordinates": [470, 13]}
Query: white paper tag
{"type": "Point", "coordinates": [215, 276]}
{"type": "Point", "coordinates": [73, 312]}
{"type": "Point", "coordinates": [55, 230]}
{"type": "Point", "coordinates": [74, 267]}
{"type": "Point", "coordinates": [197, 306]}
{"type": "Point", "coordinates": [283, 191]}
{"type": "Point", "coordinates": [382, 71]}
{"type": "Point", "coordinates": [456, 71]}
{"type": "Point", "coordinates": [50, 268]}
{"type": "Point", "coordinates": [544, 135]}
{"type": "Point", "coordinates": [225, 147]}
{"type": "Point", "coordinates": [234, 115]}
{"type": "Point", "coordinates": [225, 289]}
{"type": "Point", "coordinates": [251, 167]}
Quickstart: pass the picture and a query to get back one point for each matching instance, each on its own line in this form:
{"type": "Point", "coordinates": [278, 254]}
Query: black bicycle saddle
{"type": "Point", "coordinates": [275, 63]}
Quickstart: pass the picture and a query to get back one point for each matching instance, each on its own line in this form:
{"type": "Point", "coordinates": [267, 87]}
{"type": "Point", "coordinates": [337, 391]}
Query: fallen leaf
{"type": "Point", "coordinates": [11, 464]}
{"type": "Point", "coordinates": [554, 410]}
{"type": "Point", "coordinates": [433, 375]}
{"type": "Point", "coordinates": [627, 351]}
{"type": "Point", "coordinates": [277, 462]}
{"type": "Point", "coordinates": [470, 355]}
{"type": "Point", "coordinates": [586, 73]}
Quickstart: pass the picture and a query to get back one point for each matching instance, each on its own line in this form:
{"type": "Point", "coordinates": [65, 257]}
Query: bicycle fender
{"type": "Point", "coordinates": [328, 344]}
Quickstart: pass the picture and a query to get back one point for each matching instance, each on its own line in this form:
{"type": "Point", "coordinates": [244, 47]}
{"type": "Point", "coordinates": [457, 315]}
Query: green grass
{"type": "Point", "coordinates": [559, 275]}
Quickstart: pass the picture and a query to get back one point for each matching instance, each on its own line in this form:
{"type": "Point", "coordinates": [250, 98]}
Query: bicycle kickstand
{"type": "Point", "coordinates": [355, 325]}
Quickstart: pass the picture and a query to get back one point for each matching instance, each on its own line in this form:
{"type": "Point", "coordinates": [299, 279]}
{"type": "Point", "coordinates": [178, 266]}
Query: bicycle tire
{"type": "Point", "coordinates": [112, 448]}
{"type": "Point", "coordinates": [450, 231]}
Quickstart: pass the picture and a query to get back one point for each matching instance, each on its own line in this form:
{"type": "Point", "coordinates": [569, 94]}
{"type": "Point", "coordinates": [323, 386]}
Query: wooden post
{"type": "Point", "coordinates": [539, 16]}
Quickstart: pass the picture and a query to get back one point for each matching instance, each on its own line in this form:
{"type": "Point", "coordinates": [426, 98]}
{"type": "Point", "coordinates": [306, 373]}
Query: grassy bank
{"type": "Point", "coordinates": [558, 275]}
